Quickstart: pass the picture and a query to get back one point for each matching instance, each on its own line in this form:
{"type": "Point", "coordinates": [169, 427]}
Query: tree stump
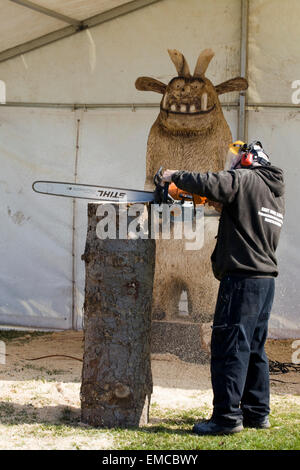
{"type": "Point", "coordinates": [116, 375]}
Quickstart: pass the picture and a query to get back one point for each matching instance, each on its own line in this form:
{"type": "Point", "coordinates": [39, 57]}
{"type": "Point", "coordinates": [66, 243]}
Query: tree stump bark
{"type": "Point", "coordinates": [116, 375]}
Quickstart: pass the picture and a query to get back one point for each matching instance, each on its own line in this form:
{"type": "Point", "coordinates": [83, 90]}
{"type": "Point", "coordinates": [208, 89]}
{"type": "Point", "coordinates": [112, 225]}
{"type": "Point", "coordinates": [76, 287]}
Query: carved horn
{"type": "Point", "coordinates": [203, 62]}
{"type": "Point", "coordinates": [180, 63]}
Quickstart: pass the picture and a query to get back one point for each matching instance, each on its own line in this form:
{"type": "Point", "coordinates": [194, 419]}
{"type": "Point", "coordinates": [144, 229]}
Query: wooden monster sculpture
{"type": "Point", "coordinates": [190, 133]}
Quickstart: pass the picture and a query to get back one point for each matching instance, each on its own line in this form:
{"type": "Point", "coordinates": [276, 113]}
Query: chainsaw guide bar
{"type": "Point", "coordinates": [94, 193]}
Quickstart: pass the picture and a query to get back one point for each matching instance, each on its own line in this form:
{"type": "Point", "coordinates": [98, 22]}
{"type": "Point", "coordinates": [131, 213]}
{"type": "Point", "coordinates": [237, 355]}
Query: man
{"type": "Point", "coordinates": [244, 261]}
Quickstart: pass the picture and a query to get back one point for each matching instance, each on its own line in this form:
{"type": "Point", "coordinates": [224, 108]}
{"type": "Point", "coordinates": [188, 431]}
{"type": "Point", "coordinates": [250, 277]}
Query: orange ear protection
{"type": "Point", "coordinates": [253, 153]}
{"type": "Point", "coordinates": [247, 159]}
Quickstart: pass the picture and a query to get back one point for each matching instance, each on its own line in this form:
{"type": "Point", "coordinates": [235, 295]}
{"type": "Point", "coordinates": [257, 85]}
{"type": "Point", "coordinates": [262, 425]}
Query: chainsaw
{"type": "Point", "coordinates": [164, 193]}
{"type": "Point", "coordinates": [170, 193]}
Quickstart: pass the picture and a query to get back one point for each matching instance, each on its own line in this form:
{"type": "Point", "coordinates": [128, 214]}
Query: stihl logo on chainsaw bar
{"type": "Point", "coordinates": [111, 194]}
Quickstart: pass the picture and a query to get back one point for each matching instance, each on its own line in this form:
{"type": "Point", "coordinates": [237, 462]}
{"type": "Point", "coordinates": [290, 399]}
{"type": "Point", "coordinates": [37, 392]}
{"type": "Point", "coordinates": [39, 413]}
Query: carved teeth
{"type": "Point", "coordinates": [204, 102]}
{"type": "Point", "coordinates": [186, 109]}
{"type": "Point", "coordinates": [164, 102]}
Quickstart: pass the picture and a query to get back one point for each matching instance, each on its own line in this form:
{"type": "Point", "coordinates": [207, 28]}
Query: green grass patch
{"type": "Point", "coordinates": [172, 430]}
{"type": "Point", "coordinates": [44, 370]}
{"type": "Point", "coordinates": [26, 336]}
{"type": "Point", "coordinates": [168, 430]}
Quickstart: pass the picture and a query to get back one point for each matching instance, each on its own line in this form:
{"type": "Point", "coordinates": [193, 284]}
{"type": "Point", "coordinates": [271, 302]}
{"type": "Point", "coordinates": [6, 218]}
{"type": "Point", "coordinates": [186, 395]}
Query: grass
{"type": "Point", "coordinates": [169, 430]}
{"type": "Point", "coordinates": [44, 370]}
{"type": "Point", "coordinates": [174, 432]}
{"type": "Point", "coordinates": [10, 335]}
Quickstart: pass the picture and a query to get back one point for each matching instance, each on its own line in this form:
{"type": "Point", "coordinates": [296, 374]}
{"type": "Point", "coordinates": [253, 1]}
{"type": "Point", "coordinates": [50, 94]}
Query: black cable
{"type": "Point", "coordinates": [276, 367]}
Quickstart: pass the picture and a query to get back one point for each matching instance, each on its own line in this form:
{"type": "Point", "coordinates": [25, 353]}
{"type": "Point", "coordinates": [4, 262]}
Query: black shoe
{"type": "Point", "coordinates": [211, 428]}
{"type": "Point", "coordinates": [258, 424]}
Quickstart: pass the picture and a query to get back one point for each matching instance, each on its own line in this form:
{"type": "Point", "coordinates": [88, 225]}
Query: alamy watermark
{"type": "Point", "coordinates": [296, 93]}
{"type": "Point", "coordinates": [167, 222]}
{"type": "Point", "coordinates": [2, 353]}
{"type": "Point", "coordinates": [296, 353]}
{"type": "Point", "coordinates": [2, 92]}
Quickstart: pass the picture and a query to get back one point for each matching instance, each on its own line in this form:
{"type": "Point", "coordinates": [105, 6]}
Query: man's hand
{"type": "Point", "coordinates": [217, 205]}
{"type": "Point", "coordinates": [167, 175]}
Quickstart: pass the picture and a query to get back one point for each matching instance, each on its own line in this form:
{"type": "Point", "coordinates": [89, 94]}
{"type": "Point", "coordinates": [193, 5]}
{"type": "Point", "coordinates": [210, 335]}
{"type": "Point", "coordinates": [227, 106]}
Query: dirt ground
{"type": "Point", "coordinates": [45, 390]}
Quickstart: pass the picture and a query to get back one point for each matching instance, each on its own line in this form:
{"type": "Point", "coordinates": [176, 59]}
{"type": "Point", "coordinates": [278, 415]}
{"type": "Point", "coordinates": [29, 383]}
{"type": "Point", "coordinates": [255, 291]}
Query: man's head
{"type": "Point", "coordinates": [242, 155]}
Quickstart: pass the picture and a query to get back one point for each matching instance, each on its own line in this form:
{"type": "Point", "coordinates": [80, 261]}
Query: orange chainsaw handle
{"type": "Point", "coordinates": [179, 194]}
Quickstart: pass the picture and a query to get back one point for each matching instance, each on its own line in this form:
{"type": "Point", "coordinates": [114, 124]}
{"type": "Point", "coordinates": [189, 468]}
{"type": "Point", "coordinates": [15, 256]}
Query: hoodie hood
{"type": "Point", "coordinates": [273, 177]}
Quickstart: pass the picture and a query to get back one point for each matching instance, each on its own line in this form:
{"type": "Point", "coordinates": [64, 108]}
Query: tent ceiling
{"type": "Point", "coordinates": [79, 9]}
{"type": "Point", "coordinates": [26, 25]}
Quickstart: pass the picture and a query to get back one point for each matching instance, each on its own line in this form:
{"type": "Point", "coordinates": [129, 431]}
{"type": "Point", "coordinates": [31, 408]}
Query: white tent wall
{"type": "Point", "coordinates": [35, 241]}
{"type": "Point", "coordinates": [97, 66]}
{"type": "Point", "coordinates": [274, 64]}
{"type": "Point", "coordinates": [279, 129]}
{"type": "Point", "coordinates": [274, 54]}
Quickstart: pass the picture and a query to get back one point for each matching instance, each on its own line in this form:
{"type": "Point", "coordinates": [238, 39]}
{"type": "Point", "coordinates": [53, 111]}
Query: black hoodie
{"type": "Point", "coordinates": [251, 218]}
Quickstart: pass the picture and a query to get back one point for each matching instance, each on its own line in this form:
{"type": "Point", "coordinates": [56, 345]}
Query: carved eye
{"type": "Point", "coordinates": [196, 85]}
{"type": "Point", "coordinates": [178, 84]}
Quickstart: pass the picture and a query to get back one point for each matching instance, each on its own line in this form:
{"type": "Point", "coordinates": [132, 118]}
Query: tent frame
{"type": "Point", "coordinates": [75, 27]}
{"type": "Point", "coordinates": [47, 11]}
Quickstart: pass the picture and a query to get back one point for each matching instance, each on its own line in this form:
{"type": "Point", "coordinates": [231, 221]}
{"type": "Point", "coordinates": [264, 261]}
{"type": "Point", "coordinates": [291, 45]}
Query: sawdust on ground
{"type": "Point", "coordinates": [47, 390]}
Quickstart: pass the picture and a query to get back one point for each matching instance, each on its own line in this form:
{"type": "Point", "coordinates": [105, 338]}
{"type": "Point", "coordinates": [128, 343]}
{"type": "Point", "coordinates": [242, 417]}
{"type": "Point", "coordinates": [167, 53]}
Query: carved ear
{"type": "Point", "coordinates": [235, 84]}
{"type": "Point", "coordinates": [180, 63]}
{"type": "Point", "coordinates": [150, 84]}
{"type": "Point", "coordinates": [203, 62]}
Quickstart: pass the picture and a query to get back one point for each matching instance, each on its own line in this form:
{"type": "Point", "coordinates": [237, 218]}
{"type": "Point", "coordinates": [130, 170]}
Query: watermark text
{"type": "Point", "coordinates": [296, 93]}
{"type": "Point", "coordinates": [164, 221]}
{"type": "Point", "coordinates": [2, 353]}
{"type": "Point", "coordinates": [296, 353]}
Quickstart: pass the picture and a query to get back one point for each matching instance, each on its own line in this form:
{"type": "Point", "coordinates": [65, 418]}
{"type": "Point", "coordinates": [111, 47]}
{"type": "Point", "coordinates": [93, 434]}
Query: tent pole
{"type": "Point", "coordinates": [135, 106]}
{"type": "Point", "coordinates": [74, 312]}
{"type": "Point", "coordinates": [242, 130]}
{"type": "Point", "coordinates": [47, 11]}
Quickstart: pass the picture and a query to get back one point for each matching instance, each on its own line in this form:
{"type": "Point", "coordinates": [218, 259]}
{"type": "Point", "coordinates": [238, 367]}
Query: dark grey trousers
{"type": "Point", "coordinates": [239, 365]}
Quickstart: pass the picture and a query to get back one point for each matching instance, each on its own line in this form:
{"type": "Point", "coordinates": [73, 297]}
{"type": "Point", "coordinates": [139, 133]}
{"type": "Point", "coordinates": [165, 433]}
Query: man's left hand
{"type": "Point", "coordinates": [167, 176]}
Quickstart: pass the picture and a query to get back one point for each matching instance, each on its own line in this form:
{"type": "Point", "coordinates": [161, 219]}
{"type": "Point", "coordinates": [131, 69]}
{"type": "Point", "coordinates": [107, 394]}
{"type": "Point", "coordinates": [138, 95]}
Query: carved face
{"type": "Point", "coordinates": [187, 96]}
{"type": "Point", "coordinates": [190, 103]}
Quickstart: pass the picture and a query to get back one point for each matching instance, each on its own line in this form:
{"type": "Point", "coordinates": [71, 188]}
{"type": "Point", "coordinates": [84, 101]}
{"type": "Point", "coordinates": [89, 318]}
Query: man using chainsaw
{"type": "Point", "coordinates": [252, 194]}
